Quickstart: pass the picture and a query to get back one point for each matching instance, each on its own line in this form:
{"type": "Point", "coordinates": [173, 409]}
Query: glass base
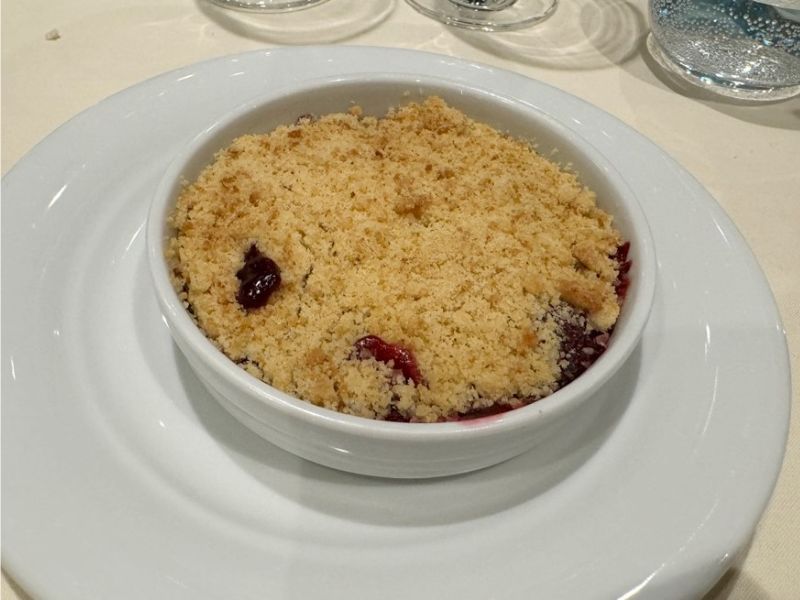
{"type": "Point", "coordinates": [486, 15]}
{"type": "Point", "coordinates": [267, 6]}
{"type": "Point", "coordinates": [325, 23]}
{"type": "Point", "coordinates": [715, 84]}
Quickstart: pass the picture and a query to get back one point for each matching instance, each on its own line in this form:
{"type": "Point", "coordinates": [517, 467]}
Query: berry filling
{"type": "Point", "coordinates": [258, 279]}
{"type": "Point", "coordinates": [623, 281]}
{"type": "Point", "coordinates": [489, 411]}
{"type": "Point", "coordinates": [580, 347]}
{"type": "Point", "coordinates": [402, 359]}
{"type": "Point", "coordinates": [395, 415]}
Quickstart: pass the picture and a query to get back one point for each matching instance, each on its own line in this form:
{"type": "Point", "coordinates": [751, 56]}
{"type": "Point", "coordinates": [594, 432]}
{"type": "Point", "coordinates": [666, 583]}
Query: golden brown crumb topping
{"type": "Point", "coordinates": [426, 228]}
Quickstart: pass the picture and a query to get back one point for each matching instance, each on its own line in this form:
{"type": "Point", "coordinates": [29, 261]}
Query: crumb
{"type": "Point", "coordinates": [463, 248]}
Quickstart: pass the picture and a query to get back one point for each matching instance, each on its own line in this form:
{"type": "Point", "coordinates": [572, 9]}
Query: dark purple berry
{"type": "Point", "coordinates": [623, 281]}
{"type": "Point", "coordinates": [258, 278]}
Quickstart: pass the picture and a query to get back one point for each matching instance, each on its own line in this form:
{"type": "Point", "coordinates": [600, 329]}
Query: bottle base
{"type": "Point", "coordinates": [729, 89]}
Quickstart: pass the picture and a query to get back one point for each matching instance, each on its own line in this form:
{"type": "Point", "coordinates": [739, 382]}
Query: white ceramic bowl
{"type": "Point", "coordinates": [386, 448]}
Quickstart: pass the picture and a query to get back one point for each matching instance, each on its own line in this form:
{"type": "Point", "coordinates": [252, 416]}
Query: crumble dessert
{"type": "Point", "coordinates": [420, 266]}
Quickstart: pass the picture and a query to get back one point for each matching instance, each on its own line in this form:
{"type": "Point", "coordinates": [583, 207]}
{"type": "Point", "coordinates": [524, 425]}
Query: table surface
{"type": "Point", "coordinates": [59, 58]}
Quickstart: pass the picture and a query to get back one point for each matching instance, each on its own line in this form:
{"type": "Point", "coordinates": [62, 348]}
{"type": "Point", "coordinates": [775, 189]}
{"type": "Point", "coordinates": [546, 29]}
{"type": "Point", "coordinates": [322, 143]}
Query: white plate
{"type": "Point", "coordinates": [123, 479]}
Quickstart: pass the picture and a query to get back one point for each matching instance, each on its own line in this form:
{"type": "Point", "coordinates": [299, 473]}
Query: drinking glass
{"type": "Point", "coordinates": [486, 15]}
{"type": "Point", "coordinates": [738, 48]}
{"type": "Point", "coordinates": [267, 5]}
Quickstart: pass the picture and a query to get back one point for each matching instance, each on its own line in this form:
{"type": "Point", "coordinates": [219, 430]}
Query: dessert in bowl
{"type": "Point", "coordinates": [381, 274]}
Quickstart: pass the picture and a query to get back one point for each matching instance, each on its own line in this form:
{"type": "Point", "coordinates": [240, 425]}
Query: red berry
{"type": "Point", "coordinates": [402, 358]}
